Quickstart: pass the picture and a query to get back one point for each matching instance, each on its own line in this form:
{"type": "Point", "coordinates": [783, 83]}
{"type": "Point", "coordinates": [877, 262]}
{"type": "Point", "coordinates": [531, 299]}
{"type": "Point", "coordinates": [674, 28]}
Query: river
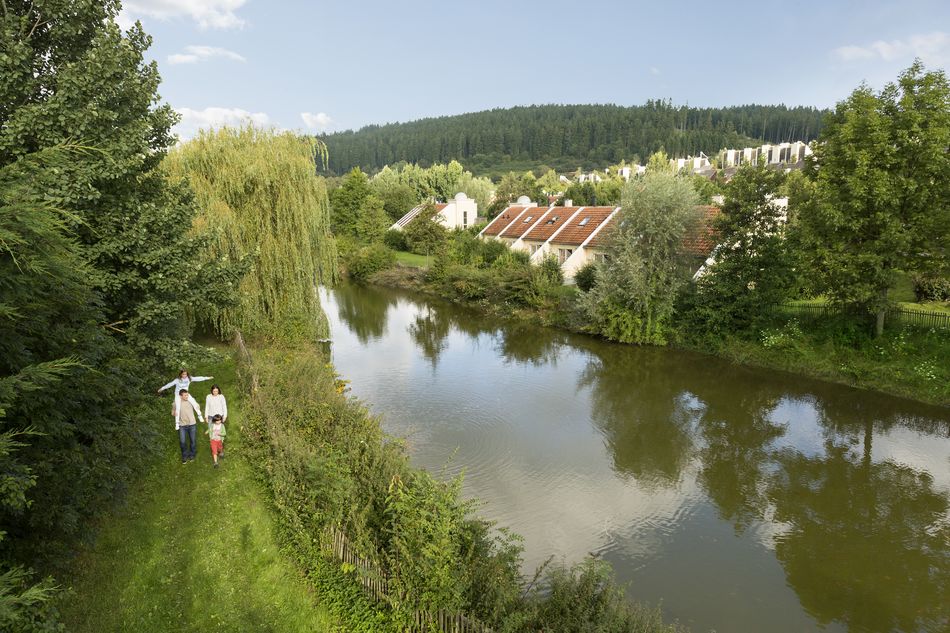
{"type": "Point", "coordinates": [739, 499]}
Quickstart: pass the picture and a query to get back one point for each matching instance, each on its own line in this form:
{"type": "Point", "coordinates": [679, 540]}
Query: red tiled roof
{"type": "Point", "coordinates": [525, 222]}
{"type": "Point", "coordinates": [501, 220]}
{"type": "Point", "coordinates": [699, 241]}
{"type": "Point", "coordinates": [583, 224]}
{"type": "Point", "coordinates": [556, 216]}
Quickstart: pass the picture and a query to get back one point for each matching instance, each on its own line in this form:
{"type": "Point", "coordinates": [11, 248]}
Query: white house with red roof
{"type": "Point", "coordinates": [458, 213]}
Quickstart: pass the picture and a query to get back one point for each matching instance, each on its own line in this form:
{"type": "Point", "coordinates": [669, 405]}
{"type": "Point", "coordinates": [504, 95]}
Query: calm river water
{"type": "Point", "coordinates": [743, 500]}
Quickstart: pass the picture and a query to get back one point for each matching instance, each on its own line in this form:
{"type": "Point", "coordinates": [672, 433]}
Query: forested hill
{"type": "Point", "coordinates": [568, 136]}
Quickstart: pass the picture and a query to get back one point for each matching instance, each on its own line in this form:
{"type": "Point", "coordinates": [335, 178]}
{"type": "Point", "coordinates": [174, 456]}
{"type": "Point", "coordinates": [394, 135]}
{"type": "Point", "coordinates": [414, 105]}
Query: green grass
{"type": "Point", "coordinates": [413, 260]}
{"type": "Point", "coordinates": [195, 549]}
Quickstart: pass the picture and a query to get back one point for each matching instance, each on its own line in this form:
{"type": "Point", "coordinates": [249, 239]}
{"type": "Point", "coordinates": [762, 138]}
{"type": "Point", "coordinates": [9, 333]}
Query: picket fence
{"type": "Point", "coordinates": [375, 582]}
{"type": "Point", "coordinates": [904, 317]}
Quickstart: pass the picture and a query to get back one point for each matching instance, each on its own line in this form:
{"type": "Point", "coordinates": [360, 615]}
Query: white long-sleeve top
{"type": "Point", "coordinates": [194, 405]}
{"type": "Point", "coordinates": [216, 405]}
{"type": "Point", "coordinates": [182, 383]}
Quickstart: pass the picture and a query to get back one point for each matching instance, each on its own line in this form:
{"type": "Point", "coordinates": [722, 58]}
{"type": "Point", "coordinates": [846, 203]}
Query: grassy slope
{"type": "Point", "coordinates": [413, 260]}
{"type": "Point", "coordinates": [195, 549]}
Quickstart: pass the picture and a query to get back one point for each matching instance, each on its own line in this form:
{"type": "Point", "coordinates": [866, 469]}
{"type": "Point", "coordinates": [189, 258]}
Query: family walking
{"type": "Point", "coordinates": [187, 414]}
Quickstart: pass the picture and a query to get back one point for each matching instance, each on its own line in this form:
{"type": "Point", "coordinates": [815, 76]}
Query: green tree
{"type": "Point", "coordinates": [398, 198]}
{"type": "Point", "coordinates": [372, 223]}
{"type": "Point", "coordinates": [882, 188]}
{"type": "Point", "coordinates": [260, 191]}
{"type": "Point", "coordinates": [753, 270]}
{"type": "Point", "coordinates": [632, 300]}
{"type": "Point", "coordinates": [68, 72]}
{"type": "Point", "coordinates": [512, 187]}
{"type": "Point", "coordinates": [347, 202]}
{"type": "Point", "coordinates": [425, 235]}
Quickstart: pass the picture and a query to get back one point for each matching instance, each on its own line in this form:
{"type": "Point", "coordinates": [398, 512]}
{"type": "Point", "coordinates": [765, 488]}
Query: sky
{"type": "Point", "coordinates": [326, 66]}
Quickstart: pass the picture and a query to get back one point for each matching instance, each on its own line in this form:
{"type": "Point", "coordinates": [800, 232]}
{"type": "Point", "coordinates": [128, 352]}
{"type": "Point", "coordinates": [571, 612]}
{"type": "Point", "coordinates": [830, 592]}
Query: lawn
{"type": "Point", "coordinates": [194, 549]}
{"type": "Point", "coordinates": [413, 260]}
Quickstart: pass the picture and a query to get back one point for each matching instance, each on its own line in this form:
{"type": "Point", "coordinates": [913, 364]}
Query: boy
{"type": "Point", "coordinates": [217, 432]}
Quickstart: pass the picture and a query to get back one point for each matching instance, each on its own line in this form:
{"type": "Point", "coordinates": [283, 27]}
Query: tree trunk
{"type": "Point", "coordinates": [881, 313]}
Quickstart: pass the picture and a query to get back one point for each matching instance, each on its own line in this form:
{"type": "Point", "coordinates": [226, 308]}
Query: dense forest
{"type": "Point", "coordinates": [567, 136]}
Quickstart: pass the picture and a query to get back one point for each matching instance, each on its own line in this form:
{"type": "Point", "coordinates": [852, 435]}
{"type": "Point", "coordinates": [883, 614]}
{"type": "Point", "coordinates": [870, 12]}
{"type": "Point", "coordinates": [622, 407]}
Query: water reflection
{"type": "Point", "coordinates": [745, 500]}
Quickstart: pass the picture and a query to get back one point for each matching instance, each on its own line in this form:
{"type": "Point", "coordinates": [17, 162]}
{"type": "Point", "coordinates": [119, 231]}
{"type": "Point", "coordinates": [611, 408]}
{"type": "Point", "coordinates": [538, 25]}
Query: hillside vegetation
{"type": "Point", "coordinates": [567, 136]}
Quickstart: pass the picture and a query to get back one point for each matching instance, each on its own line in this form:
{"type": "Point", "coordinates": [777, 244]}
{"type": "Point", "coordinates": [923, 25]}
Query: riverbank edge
{"type": "Point", "coordinates": [837, 369]}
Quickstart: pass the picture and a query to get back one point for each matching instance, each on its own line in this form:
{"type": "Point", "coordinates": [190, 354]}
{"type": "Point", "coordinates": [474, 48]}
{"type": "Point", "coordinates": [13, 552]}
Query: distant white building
{"type": "Point", "coordinates": [780, 154]}
{"type": "Point", "coordinates": [690, 163]}
{"type": "Point", "coordinates": [458, 213]}
{"type": "Point", "coordinates": [628, 171]}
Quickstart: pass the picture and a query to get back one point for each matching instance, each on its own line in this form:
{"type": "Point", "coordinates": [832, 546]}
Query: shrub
{"type": "Point", "coordinates": [929, 288]}
{"type": "Point", "coordinates": [396, 240]}
{"type": "Point", "coordinates": [585, 277]}
{"type": "Point", "coordinates": [365, 261]}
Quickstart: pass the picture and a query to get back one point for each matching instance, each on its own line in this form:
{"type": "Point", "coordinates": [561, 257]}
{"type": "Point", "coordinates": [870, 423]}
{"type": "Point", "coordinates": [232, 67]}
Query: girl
{"type": "Point", "coordinates": [182, 382]}
{"type": "Point", "coordinates": [217, 405]}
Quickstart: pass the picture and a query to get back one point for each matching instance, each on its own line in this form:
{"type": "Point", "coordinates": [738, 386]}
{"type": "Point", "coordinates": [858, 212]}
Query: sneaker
{"type": "Point", "coordinates": [184, 461]}
{"type": "Point", "coordinates": [216, 464]}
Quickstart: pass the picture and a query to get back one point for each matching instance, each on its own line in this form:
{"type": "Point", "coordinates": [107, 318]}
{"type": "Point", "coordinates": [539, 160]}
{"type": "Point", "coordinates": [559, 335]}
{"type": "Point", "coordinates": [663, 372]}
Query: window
{"type": "Point", "coordinates": [535, 248]}
{"type": "Point", "coordinates": [553, 220]}
{"type": "Point", "coordinates": [464, 219]}
{"type": "Point", "coordinates": [600, 258]}
{"type": "Point", "coordinates": [584, 221]}
{"type": "Point", "coordinates": [528, 219]}
{"type": "Point", "coordinates": [563, 254]}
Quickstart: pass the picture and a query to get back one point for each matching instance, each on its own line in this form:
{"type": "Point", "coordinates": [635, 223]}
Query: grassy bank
{"type": "Point", "coordinates": [195, 549]}
{"type": "Point", "coordinates": [908, 362]}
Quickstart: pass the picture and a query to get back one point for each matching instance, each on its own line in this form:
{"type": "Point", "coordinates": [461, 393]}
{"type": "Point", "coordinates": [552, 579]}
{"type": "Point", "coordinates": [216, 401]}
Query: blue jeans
{"type": "Point", "coordinates": [186, 433]}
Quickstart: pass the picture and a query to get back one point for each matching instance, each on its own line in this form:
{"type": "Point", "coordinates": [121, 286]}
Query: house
{"type": "Point", "coordinates": [459, 213]}
{"type": "Point", "coordinates": [579, 235]}
{"type": "Point", "coordinates": [629, 171]}
{"type": "Point", "coordinates": [690, 163]}
{"type": "Point", "coordinates": [781, 154]}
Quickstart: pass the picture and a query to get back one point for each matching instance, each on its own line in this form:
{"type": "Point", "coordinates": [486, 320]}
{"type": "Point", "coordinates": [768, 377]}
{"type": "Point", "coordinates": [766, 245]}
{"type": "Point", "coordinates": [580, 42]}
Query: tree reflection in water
{"type": "Point", "coordinates": [365, 313]}
{"type": "Point", "coordinates": [638, 403]}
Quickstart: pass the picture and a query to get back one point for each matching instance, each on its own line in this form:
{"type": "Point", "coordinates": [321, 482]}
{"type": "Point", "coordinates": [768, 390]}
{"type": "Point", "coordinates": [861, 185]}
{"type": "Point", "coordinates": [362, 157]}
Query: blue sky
{"type": "Point", "coordinates": [330, 65]}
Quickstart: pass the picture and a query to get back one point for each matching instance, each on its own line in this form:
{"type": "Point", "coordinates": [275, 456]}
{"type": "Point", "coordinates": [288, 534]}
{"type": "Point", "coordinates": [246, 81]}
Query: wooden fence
{"type": "Point", "coordinates": [374, 580]}
{"type": "Point", "coordinates": [904, 317]}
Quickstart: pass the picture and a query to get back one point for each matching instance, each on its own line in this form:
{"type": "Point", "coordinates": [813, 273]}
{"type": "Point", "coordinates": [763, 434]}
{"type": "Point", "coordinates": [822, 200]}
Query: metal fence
{"type": "Point", "coordinates": [374, 580]}
{"type": "Point", "coordinates": [904, 317]}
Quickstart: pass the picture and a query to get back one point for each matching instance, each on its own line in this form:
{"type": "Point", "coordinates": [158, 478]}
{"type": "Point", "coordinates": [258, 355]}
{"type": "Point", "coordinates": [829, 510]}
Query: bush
{"type": "Point", "coordinates": [927, 288]}
{"type": "Point", "coordinates": [365, 261]}
{"type": "Point", "coordinates": [396, 240]}
{"type": "Point", "coordinates": [585, 277]}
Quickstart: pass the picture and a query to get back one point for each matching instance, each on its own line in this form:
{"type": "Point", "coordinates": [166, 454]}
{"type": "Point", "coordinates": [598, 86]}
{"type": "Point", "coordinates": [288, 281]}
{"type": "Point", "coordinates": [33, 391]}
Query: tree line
{"type": "Point", "coordinates": [568, 136]}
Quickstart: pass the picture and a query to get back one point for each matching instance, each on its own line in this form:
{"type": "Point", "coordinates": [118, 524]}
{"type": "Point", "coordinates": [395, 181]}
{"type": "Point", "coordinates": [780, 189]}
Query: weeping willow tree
{"type": "Point", "coordinates": [259, 195]}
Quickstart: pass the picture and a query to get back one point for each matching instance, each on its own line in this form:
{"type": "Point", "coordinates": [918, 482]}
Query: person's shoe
{"type": "Point", "coordinates": [216, 464]}
{"type": "Point", "coordinates": [184, 461]}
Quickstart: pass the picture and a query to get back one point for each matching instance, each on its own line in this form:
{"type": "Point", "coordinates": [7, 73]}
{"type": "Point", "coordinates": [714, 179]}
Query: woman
{"type": "Point", "coordinates": [182, 382]}
{"type": "Point", "coordinates": [215, 404]}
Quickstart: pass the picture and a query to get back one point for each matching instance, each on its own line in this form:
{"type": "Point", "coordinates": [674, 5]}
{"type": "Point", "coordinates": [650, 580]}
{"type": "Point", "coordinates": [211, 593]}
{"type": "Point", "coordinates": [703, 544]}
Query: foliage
{"type": "Point", "coordinates": [258, 191]}
{"type": "Point", "coordinates": [585, 194]}
{"type": "Point", "coordinates": [357, 212]}
{"type": "Point", "coordinates": [425, 234]}
{"type": "Point", "coordinates": [586, 276]}
{"type": "Point", "coordinates": [396, 240]}
{"type": "Point", "coordinates": [372, 223]}
{"type": "Point", "coordinates": [931, 288]}
{"type": "Point", "coordinates": [882, 186]}
{"type": "Point", "coordinates": [564, 136]}
{"type": "Point", "coordinates": [512, 187]}
{"type": "Point", "coordinates": [632, 300]}
{"type": "Point", "coordinates": [753, 271]}
{"type": "Point", "coordinates": [404, 186]}
{"type": "Point", "coordinates": [365, 261]}
{"type": "Point", "coordinates": [68, 72]}
{"type": "Point", "coordinates": [584, 599]}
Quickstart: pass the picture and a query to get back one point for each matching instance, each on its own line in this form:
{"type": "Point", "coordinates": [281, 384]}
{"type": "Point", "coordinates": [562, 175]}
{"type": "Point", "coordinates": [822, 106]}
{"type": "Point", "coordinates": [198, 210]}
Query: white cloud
{"type": "Point", "coordinates": [932, 48]}
{"type": "Point", "coordinates": [195, 54]}
{"type": "Point", "coordinates": [319, 121]}
{"type": "Point", "coordinates": [210, 118]}
{"type": "Point", "coordinates": [209, 14]}
{"type": "Point", "coordinates": [654, 70]}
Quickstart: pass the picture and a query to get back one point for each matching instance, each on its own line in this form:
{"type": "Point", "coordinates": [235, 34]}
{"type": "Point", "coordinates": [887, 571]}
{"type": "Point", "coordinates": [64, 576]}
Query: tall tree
{"type": "Point", "coordinates": [882, 188]}
{"type": "Point", "coordinates": [632, 300]}
{"type": "Point", "coordinates": [347, 200]}
{"type": "Point", "coordinates": [753, 267]}
{"type": "Point", "coordinates": [261, 192]}
{"type": "Point", "coordinates": [68, 72]}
